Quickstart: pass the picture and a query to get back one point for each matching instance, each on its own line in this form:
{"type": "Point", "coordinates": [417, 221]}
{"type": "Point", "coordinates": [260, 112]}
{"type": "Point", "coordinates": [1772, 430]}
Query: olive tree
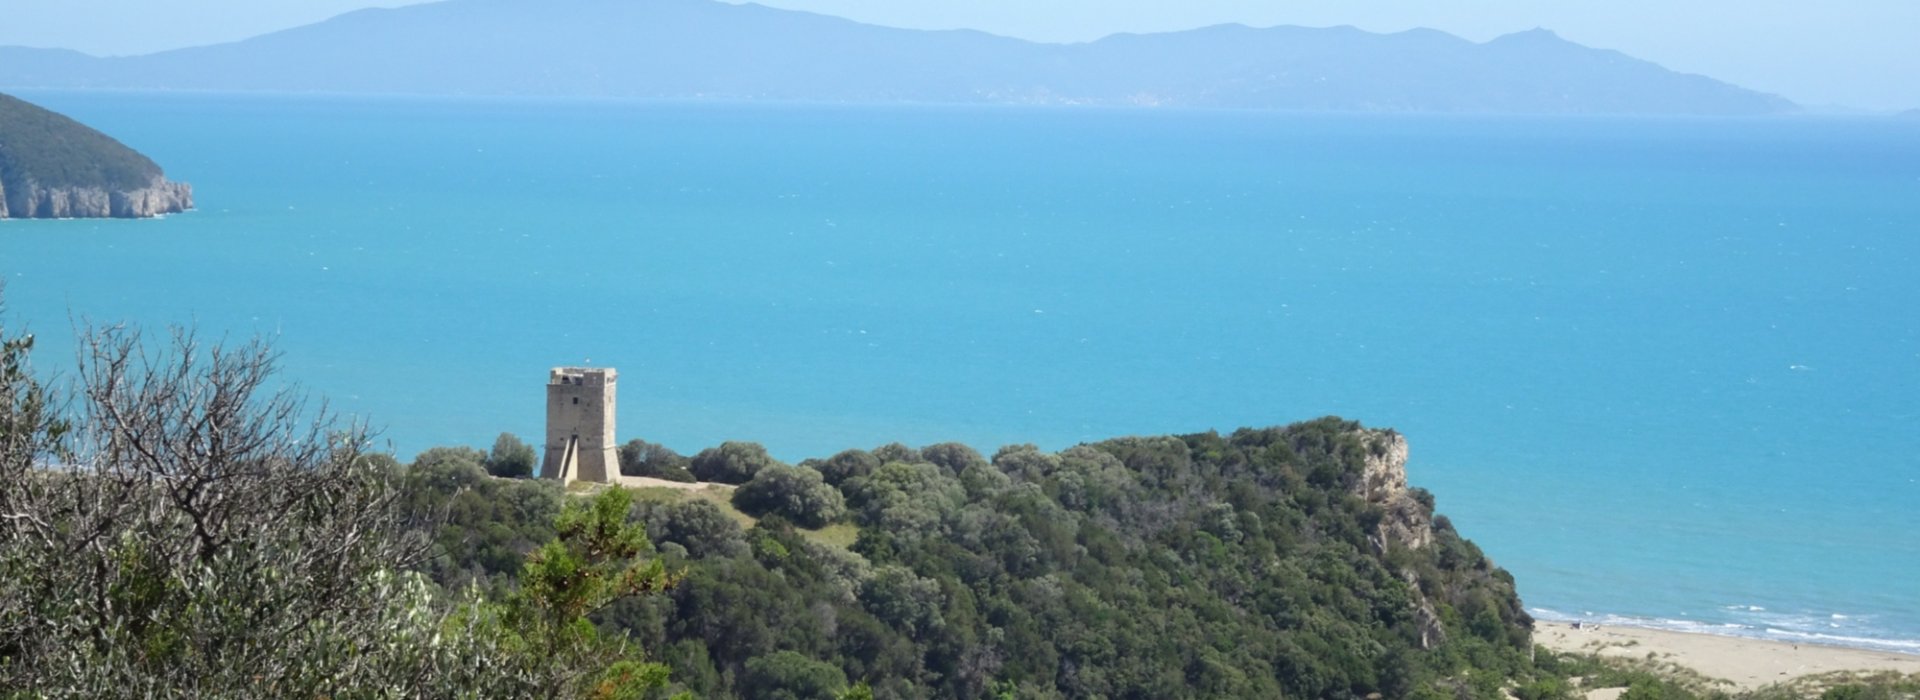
{"type": "Point", "coordinates": [196, 527]}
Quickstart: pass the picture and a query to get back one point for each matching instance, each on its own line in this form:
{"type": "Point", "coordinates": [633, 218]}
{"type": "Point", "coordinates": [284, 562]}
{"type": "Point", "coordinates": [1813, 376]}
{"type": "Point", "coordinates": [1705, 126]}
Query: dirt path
{"type": "Point", "coordinates": [643, 482]}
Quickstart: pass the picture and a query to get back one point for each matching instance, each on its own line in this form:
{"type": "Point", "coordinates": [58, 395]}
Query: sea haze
{"type": "Point", "coordinates": [711, 50]}
{"type": "Point", "coordinates": [1660, 369]}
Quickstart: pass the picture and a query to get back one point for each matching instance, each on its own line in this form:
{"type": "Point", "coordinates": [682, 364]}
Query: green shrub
{"type": "Point", "coordinates": [797, 494]}
{"type": "Point", "coordinates": [645, 459]}
{"type": "Point", "coordinates": [731, 462]}
{"type": "Point", "coordinates": [511, 458]}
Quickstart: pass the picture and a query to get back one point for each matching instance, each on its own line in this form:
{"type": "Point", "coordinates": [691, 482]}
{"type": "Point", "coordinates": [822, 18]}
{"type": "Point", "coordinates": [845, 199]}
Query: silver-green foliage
{"type": "Point", "coordinates": [181, 527]}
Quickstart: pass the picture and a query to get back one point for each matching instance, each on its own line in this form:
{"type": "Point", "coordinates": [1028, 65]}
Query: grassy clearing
{"type": "Point", "coordinates": [717, 494]}
{"type": "Point", "coordinates": [840, 535]}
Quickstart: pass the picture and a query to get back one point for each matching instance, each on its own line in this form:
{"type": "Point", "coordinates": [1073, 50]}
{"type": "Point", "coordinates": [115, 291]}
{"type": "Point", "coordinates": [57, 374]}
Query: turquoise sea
{"type": "Point", "coordinates": [1665, 371]}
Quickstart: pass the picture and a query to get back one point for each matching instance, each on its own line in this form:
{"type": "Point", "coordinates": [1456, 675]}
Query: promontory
{"type": "Point", "coordinates": [52, 167]}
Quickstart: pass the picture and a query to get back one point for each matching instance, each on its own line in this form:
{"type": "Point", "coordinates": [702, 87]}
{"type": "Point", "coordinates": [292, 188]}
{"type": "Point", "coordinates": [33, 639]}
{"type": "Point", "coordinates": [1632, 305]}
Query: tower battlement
{"type": "Point", "coordinates": [583, 376]}
{"type": "Point", "coordinates": [580, 425]}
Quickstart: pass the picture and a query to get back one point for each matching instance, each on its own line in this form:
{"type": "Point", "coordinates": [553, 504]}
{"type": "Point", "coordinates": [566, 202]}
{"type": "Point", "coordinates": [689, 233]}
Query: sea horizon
{"type": "Point", "coordinates": [1659, 368]}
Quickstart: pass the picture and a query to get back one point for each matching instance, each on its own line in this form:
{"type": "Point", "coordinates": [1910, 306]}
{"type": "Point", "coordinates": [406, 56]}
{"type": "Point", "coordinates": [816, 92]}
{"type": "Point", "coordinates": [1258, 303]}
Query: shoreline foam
{"type": "Point", "coordinates": [1780, 629]}
{"type": "Point", "coordinates": [1744, 662]}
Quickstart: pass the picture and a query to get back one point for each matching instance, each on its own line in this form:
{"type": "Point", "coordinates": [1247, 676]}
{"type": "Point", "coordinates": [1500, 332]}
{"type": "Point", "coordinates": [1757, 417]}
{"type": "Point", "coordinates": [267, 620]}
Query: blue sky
{"type": "Point", "coordinates": [1860, 53]}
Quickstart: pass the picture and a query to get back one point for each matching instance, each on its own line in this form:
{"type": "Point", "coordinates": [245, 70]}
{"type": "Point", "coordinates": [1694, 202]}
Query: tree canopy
{"type": "Point", "coordinates": [642, 458]}
{"type": "Point", "coordinates": [178, 526]}
{"type": "Point", "coordinates": [511, 458]}
{"type": "Point", "coordinates": [1251, 564]}
{"type": "Point", "coordinates": [47, 147]}
{"type": "Point", "coordinates": [731, 462]}
{"type": "Point", "coordinates": [795, 493]}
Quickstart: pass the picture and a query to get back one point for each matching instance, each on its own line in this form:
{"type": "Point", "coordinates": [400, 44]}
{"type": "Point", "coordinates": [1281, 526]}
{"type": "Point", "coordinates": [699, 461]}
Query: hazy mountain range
{"type": "Point", "coordinates": [702, 49]}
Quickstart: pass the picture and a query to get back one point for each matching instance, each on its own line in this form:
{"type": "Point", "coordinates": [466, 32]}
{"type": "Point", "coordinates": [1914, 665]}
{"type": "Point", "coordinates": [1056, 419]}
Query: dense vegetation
{"type": "Point", "coordinates": [49, 148]}
{"type": "Point", "coordinates": [1245, 565]}
{"type": "Point", "coordinates": [174, 528]}
{"type": "Point", "coordinates": [169, 527]}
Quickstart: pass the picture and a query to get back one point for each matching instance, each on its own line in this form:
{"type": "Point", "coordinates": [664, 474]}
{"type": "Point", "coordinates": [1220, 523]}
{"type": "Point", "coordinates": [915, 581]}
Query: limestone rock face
{"type": "Point", "coordinates": [30, 200]}
{"type": "Point", "coordinates": [1385, 474]}
{"type": "Point", "coordinates": [1408, 520]}
{"type": "Point", "coordinates": [52, 167]}
{"type": "Point", "coordinates": [1383, 482]}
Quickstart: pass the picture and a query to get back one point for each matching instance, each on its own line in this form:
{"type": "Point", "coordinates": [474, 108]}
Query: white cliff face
{"type": "Point", "coordinates": [1383, 482]}
{"type": "Point", "coordinates": [1407, 521]}
{"type": "Point", "coordinates": [1386, 467]}
{"type": "Point", "coordinates": [29, 200]}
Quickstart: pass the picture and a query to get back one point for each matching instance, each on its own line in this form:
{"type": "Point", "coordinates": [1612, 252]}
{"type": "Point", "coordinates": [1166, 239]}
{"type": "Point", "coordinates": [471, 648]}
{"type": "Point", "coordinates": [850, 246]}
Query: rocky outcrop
{"type": "Point", "coordinates": [1407, 517]}
{"type": "Point", "coordinates": [52, 167]}
{"type": "Point", "coordinates": [30, 200]}
{"type": "Point", "coordinates": [1383, 482]}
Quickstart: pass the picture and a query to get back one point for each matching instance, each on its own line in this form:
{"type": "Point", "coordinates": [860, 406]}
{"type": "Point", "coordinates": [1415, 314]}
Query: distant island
{"type": "Point", "coordinates": [709, 50]}
{"type": "Point", "coordinates": [52, 167]}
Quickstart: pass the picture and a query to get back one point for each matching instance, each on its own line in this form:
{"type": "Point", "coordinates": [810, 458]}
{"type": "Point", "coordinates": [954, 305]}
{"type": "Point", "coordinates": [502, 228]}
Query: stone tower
{"type": "Point", "coordinates": [580, 438]}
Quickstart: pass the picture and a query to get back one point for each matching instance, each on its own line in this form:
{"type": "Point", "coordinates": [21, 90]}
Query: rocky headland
{"type": "Point", "coordinates": [52, 167]}
{"type": "Point", "coordinates": [1383, 482]}
{"type": "Point", "coordinates": [31, 200]}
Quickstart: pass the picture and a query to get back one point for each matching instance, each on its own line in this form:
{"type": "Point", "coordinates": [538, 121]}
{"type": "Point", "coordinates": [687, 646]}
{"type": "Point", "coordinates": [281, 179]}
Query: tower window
{"type": "Point", "coordinates": [576, 400]}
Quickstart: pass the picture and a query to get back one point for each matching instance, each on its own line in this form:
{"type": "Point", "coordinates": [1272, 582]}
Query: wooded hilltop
{"type": "Point", "coordinates": [52, 167]}
{"type": "Point", "coordinates": [172, 526]}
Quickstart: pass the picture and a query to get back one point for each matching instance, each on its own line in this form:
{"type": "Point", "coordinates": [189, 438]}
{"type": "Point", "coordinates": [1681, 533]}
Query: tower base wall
{"type": "Point", "coordinates": [598, 466]}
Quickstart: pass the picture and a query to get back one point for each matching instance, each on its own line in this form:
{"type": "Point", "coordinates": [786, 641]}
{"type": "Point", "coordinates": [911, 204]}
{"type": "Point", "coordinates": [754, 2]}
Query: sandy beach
{"type": "Point", "coordinates": [1745, 663]}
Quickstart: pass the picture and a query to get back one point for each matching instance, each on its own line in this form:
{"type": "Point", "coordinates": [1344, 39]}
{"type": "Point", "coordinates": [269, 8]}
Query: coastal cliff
{"type": "Point", "coordinates": [1406, 519]}
{"type": "Point", "coordinates": [52, 167]}
{"type": "Point", "coordinates": [1383, 482]}
{"type": "Point", "coordinates": [31, 200]}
